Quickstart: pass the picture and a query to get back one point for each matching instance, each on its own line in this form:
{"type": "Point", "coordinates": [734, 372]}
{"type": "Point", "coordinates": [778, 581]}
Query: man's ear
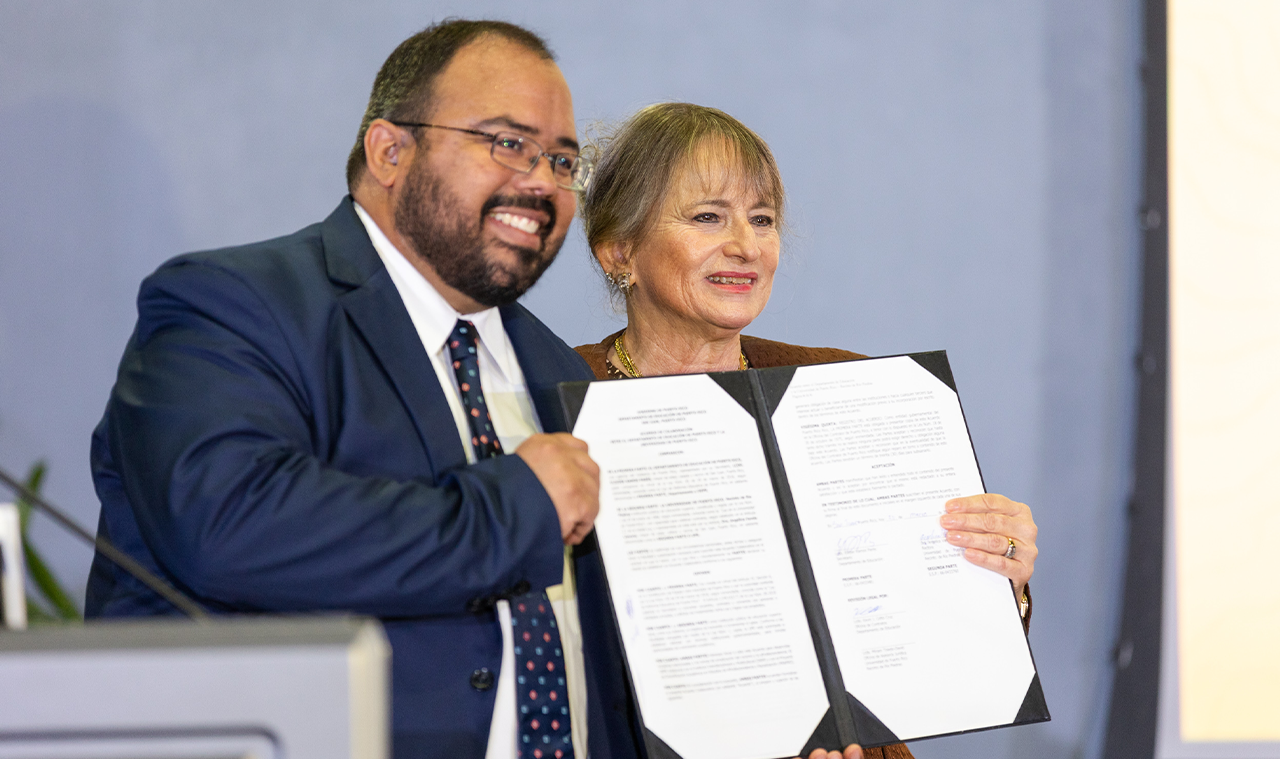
{"type": "Point", "coordinates": [387, 151]}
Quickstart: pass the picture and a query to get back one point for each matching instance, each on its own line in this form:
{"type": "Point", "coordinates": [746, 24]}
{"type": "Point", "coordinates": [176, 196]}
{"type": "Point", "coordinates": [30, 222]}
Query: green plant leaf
{"type": "Point", "coordinates": [48, 584]}
{"type": "Point", "coordinates": [36, 615]}
{"type": "Point", "coordinates": [41, 576]}
{"type": "Point", "coordinates": [35, 478]}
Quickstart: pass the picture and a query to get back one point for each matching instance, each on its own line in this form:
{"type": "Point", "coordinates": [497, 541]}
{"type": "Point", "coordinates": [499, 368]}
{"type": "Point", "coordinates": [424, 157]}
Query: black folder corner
{"type": "Point", "coordinates": [1034, 708]}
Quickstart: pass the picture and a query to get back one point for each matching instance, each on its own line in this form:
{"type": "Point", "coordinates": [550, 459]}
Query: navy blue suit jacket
{"type": "Point", "coordinates": [277, 441]}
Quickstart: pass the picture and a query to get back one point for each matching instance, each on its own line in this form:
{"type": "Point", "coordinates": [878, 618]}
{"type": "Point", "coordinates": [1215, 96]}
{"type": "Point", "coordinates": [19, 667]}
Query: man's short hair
{"type": "Point", "coordinates": [402, 90]}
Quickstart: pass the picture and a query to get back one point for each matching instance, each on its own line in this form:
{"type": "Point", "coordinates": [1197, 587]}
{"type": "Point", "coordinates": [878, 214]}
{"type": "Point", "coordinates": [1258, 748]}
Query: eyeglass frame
{"type": "Point", "coordinates": [578, 160]}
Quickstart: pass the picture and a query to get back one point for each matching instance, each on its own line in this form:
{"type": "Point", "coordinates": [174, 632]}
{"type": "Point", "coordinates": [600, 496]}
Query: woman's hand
{"type": "Point", "coordinates": [852, 751]}
{"type": "Point", "coordinates": [984, 524]}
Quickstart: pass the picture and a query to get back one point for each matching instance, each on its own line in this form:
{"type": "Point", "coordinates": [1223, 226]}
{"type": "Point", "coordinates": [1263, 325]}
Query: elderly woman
{"type": "Point", "coordinates": [683, 216]}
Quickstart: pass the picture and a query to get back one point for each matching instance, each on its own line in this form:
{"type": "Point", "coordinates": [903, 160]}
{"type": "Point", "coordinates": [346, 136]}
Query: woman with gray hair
{"type": "Point", "coordinates": [683, 216]}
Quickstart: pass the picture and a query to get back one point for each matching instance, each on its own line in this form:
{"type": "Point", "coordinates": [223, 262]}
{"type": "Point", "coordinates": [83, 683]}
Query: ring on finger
{"type": "Point", "coordinates": [1011, 551]}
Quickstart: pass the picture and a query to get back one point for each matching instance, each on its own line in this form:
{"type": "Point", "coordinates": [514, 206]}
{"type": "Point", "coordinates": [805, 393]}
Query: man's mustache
{"type": "Point", "coordinates": [531, 202]}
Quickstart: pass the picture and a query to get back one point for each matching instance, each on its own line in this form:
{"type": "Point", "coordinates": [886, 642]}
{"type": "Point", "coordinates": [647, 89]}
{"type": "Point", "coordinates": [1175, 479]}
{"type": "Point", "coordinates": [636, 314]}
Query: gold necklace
{"type": "Point", "coordinates": [624, 357]}
{"type": "Point", "coordinates": [627, 364]}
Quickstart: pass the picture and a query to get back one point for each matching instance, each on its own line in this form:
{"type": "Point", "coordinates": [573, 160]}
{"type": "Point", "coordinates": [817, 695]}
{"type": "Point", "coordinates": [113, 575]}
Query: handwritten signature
{"type": "Point", "coordinates": [854, 543]}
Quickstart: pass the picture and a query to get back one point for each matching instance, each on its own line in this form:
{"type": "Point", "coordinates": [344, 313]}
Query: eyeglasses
{"type": "Point", "coordinates": [571, 171]}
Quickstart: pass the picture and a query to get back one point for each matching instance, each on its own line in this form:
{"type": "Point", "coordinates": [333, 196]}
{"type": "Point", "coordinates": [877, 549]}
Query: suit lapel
{"type": "Point", "coordinates": [375, 308]}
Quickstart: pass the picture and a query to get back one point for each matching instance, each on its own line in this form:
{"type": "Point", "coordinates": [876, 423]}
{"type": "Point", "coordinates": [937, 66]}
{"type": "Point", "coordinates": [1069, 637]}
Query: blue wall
{"type": "Point", "coordinates": [961, 176]}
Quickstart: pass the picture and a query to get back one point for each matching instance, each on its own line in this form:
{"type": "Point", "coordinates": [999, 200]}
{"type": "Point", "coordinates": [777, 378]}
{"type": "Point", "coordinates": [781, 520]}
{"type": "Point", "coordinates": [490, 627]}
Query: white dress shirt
{"type": "Point", "coordinates": [514, 420]}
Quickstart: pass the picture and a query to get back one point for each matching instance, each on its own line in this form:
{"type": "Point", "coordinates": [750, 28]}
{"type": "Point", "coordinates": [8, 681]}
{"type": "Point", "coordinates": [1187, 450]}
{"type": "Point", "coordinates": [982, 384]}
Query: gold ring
{"type": "Point", "coordinates": [1011, 551]}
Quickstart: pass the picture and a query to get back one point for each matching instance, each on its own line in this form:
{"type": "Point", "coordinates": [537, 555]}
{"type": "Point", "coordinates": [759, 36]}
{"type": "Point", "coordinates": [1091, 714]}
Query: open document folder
{"type": "Point", "coordinates": [777, 571]}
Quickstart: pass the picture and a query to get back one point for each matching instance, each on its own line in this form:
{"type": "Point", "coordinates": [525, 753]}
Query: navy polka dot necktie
{"type": "Point", "coordinates": [462, 350]}
{"type": "Point", "coordinates": [542, 698]}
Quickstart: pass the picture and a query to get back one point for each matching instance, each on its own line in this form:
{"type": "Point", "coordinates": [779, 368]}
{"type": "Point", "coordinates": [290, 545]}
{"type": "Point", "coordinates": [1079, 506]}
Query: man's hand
{"type": "Point", "coordinates": [852, 751]}
{"type": "Point", "coordinates": [570, 477]}
{"type": "Point", "coordinates": [984, 524]}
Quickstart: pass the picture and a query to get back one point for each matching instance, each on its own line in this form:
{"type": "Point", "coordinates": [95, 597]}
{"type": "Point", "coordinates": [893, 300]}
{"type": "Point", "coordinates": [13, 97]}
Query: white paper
{"type": "Point", "coordinates": [930, 643]}
{"type": "Point", "coordinates": [702, 581]}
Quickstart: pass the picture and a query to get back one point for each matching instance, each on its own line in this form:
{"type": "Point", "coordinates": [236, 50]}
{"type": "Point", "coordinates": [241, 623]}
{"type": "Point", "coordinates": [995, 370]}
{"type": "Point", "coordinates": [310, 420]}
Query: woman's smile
{"type": "Point", "coordinates": [734, 283]}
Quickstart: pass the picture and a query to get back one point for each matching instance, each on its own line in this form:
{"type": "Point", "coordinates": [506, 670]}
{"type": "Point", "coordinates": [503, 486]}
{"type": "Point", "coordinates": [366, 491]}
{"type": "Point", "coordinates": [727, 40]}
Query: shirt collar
{"type": "Point", "coordinates": [432, 315]}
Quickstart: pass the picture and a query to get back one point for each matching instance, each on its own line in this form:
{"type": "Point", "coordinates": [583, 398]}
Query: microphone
{"type": "Point", "coordinates": [121, 559]}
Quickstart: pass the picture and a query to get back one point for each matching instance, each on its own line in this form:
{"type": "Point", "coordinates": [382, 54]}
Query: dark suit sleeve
{"type": "Point", "coordinates": [213, 426]}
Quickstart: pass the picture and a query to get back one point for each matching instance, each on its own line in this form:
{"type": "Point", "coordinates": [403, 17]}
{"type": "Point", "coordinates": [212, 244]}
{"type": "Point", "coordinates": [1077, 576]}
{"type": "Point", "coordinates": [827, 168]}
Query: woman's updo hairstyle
{"type": "Point", "coordinates": [637, 162]}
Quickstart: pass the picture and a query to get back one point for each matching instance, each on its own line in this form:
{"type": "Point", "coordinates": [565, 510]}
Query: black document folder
{"type": "Point", "coordinates": [777, 574]}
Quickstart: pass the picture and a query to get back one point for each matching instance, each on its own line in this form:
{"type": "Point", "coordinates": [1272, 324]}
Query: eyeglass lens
{"type": "Point", "coordinates": [522, 154]}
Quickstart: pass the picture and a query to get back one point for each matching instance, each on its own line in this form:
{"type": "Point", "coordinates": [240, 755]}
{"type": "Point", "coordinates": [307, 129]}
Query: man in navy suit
{"type": "Point", "coordinates": [296, 424]}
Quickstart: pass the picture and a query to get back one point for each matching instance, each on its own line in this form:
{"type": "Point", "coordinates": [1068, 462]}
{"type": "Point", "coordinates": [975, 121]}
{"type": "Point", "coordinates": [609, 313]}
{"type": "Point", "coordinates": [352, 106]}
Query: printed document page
{"type": "Point", "coordinates": [928, 642]}
{"type": "Point", "coordinates": [702, 583]}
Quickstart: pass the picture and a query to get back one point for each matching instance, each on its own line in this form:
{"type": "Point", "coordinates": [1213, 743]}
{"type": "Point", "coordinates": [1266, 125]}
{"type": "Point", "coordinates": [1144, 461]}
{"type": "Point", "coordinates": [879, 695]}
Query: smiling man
{"type": "Point", "coordinates": [319, 422]}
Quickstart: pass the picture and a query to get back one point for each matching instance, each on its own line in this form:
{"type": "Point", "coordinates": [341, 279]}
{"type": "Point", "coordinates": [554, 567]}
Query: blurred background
{"type": "Point", "coordinates": [962, 176]}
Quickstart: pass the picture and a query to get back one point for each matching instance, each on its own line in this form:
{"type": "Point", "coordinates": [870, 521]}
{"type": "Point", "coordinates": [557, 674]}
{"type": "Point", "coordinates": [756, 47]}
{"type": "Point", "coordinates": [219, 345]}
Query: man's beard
{"type": "Point", "coordinates": [432, 221]}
